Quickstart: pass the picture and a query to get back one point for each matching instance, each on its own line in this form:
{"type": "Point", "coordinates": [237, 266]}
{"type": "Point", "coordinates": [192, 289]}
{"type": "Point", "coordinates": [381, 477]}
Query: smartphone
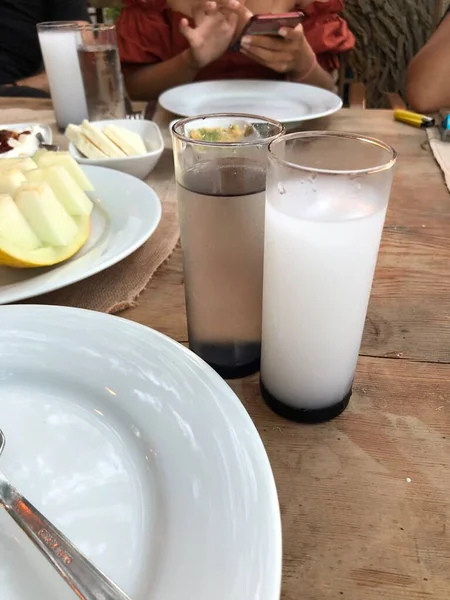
{"type": "Point", "coordinates": [269, 25]}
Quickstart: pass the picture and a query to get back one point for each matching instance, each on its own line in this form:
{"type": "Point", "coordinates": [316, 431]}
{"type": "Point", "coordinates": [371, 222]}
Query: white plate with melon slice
{"type": "Point", "coordinates": [60, 223]}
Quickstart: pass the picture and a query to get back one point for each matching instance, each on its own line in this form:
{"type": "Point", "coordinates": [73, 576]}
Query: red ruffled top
{"type": "Point", "coordinates": [148, 32]}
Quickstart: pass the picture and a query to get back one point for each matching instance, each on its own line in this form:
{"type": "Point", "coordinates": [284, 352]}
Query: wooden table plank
{"type": "Point", "coordinates": [409, 311]}
{"type": "Point", "coordinates": [365, 498]}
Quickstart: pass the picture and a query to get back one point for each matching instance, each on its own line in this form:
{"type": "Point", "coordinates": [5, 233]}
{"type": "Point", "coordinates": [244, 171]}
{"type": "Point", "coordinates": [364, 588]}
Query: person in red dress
{"type": "Point", "coordinates": [165, 43]}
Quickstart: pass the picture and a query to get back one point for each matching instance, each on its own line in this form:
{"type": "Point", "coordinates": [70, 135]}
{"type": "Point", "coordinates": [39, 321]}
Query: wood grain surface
{"type": "Point", "coordinates": [365, 499]}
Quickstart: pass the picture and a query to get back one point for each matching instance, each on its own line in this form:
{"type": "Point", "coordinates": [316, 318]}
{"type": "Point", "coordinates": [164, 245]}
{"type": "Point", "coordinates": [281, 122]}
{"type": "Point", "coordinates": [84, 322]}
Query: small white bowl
{"type": "Point", "coordinates": [138, 166]}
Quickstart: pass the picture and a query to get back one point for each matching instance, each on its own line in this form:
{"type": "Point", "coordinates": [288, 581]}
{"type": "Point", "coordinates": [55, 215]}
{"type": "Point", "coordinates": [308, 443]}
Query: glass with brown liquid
{"type": "Point", "coordinates": [220, 166]}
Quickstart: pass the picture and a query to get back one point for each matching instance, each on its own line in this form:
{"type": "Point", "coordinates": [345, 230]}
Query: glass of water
{"type": "Point", "coordinates": [220, 168]}
{"type": "Point", "coordinates": [58, 41]}
{"type": "Point", "coordinates": [327, 196]}
{"type": "Point", "coordinates": [99, 61]}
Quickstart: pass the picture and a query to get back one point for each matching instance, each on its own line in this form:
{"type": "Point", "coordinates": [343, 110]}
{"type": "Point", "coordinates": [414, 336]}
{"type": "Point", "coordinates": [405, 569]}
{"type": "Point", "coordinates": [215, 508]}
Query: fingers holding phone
{"type": "Point", "coordinates": [289, 52]}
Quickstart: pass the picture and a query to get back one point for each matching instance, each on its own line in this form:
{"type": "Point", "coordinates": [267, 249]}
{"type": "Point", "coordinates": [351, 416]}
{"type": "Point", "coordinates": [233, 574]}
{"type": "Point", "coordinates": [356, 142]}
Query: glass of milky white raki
{"type": "Point", "coordinates": [59, 47]}
{"type": "Point", "coordinates": [326, 201]}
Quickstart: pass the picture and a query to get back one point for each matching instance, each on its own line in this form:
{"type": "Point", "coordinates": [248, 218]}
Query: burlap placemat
{"type": "Point", "coordinates": [118, 287]}
{"type": "Point", "coordinates": [441, 152]}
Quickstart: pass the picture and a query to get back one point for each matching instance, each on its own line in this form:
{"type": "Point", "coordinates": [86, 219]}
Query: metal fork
{"type": "Point", "coordinates": [134, 115]}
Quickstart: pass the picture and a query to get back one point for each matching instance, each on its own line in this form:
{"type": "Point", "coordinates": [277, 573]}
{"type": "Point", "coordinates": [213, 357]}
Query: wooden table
{"type": "Point", "coordinates": [365, 499]}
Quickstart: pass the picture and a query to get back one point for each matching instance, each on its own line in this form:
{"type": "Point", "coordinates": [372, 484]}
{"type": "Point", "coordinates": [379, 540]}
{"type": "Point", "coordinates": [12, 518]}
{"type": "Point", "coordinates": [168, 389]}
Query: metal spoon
{"type": "Point", "coordinates": [42, 144]}
{"type": "Point", "coordinates": [88, 582]}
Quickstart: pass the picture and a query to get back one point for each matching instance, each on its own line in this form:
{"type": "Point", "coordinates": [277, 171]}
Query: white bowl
{"type": "Point", "coordinates": [138, 166]}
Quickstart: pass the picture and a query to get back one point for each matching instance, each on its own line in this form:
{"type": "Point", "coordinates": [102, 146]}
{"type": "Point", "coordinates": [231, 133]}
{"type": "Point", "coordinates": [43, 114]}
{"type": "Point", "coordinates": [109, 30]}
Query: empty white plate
{"type": "Point", "coordinates": [281, 100]}
{"type": "Point", "coordinates": [126, 213]}
{"type": "Point", "coordinates": [140, 453]}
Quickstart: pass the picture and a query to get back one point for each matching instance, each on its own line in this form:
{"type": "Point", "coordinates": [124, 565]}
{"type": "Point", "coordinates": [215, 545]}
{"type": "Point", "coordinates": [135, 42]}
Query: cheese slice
{"type": "Point", "coordinates": [99, 139]}
{"type": "Point", "coordinates": [128, 141]}
{"type": "Point", "coordinates": [82, 143]}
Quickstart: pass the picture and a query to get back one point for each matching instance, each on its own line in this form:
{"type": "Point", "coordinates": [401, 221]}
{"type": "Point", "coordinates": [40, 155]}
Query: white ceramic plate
{"type": "Point", "coordinates": [126, 213]}
{"type": "Point", "coordinates": [281, 100]}
{"type": "Point", "coordinates": [45, 130]}
{"type": "Point", "coordinates": [140, 453]}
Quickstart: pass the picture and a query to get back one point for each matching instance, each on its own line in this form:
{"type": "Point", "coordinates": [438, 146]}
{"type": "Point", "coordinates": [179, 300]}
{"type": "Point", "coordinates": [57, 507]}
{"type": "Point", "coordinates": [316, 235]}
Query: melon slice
{"type": "Point", "coordinates": [11, 180]}
{"type": "Point", "coordinates": [45, 215]}
{"type": "Point", "coordinates": [23, 164]}
{"type": "Point", "coordinates": [64, 159]}
{"type": "Point", "coordinates": [39, 153]}
{"type": "Point", "coordinates": [12, 255]}
{"type": "Point", "coordinates": [66, 190]}
{"type": "Point", "coordinates": [13, 226]}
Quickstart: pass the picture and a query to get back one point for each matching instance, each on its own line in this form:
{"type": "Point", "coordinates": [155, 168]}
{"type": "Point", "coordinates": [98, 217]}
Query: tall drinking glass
{"type": "Point", "coordinates": [58, 41]}
{"type": "Point", "coordinates": [220, 168]}
{"type": "Point", "coordinates": [327, 195]}
{"type": "Point", "coordinates": [98, 55]}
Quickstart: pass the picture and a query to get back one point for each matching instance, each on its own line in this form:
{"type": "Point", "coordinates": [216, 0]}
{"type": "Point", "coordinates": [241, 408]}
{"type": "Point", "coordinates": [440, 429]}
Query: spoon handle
{"type": "Point", "coordinates": [88, 582]}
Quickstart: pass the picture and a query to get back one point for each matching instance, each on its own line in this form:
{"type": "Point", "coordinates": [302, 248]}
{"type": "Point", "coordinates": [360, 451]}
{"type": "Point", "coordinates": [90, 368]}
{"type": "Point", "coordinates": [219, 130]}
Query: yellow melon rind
{"type": "Point", "coordinates": [46, 256]}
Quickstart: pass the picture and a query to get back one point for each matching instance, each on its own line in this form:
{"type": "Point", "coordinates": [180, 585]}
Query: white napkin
{"type": "Point", "coordinates": [441, 151]}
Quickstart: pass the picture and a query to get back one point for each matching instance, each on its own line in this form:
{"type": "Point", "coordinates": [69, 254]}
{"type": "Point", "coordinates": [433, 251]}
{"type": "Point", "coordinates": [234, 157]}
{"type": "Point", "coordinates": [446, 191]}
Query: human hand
{"type": "Point", "coordinates": [289, 53]}
{"type": "Point", "coordinates": [212, 33]}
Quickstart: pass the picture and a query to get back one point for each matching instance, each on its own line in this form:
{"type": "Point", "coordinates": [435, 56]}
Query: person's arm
{"type": "Point", "coordinates": [316, 75]}
{"type": "Point", "coordinates": [147, 82]}
{"type": "Point", "coordinates": [329, 36]}
{"type": "Point", "coordinates": [428, 79]}
{"type": "Point", "coordinates": [319, 78]}
{"type": "Point", "coordinates": [290, 54]}
{"type": "Point", "coordinates": [39, 82]}
{"type": "Point", "coordinates": [209, 35]}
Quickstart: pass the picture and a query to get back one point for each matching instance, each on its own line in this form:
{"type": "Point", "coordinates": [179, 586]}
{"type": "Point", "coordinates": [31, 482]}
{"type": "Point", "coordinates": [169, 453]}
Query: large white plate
{"type": "Point", "coordinates": [140, 453]}
{"type": "Point", "coordinates": [126, 213]}
{"type": "Point", "coordinates": [281, 100]}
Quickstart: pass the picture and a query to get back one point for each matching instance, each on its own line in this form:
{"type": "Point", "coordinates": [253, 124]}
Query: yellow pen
{"type": "Point", "coordinates": [412, 118]}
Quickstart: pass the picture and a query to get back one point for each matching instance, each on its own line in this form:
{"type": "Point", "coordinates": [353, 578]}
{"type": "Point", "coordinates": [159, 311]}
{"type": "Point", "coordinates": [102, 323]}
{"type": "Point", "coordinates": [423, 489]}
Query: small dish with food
{"type": "Point", "coordinates": [127, 145]}
{"type": "Point", "coordinates": [19, 140]}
